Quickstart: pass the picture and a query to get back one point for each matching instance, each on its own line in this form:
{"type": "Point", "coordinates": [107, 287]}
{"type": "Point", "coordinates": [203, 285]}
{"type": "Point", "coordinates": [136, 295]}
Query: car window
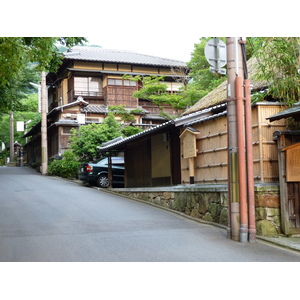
{"type": "Point", "coordinates": [102, 161]}
{"type": "Point", "coordinates": [115, 161]}
{"type": "Point", "coordinates": [118, 161]}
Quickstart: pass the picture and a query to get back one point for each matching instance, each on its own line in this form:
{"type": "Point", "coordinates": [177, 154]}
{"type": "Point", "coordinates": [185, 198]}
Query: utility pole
{"type": "Point", "coordinates": [241, 223]}
{"type": "Point", "coordinates": [44, 124]}
{"type": "Point", "coordinates": [12, 137]}
{"type": "Point", "coordinates": [236, 155]}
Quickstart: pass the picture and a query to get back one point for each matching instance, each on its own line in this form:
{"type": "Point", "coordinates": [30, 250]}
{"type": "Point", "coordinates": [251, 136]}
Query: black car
{"type": "Point", "coordinates": [96, 173]}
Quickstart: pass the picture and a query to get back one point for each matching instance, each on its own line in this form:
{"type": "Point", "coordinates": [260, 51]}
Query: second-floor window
{"type": "Point", "coordinates": [88, 86]}
{"type": "Point", "coordinates": [121, 82]}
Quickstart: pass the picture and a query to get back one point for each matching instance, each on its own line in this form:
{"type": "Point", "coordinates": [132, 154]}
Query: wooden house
{"type": "Point", "coordinates": [151, 157]}
{"type": "Point", "coordinates": [208, 118]}
{"type": "Point", "coordinates": [288, 146]}
{"type": "Point", "coordinates": [205, 125]}
{"type": "Point", "coordinates": [90, 80]}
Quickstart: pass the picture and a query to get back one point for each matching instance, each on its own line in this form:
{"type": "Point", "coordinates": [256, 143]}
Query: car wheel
{"type": "Point", "coordinates": [102, 181]}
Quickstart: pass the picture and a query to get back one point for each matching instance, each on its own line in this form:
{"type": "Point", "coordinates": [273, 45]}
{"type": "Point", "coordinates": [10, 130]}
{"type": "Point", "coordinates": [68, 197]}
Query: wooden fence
{"type": "Point", "coordinates": [211, 163]}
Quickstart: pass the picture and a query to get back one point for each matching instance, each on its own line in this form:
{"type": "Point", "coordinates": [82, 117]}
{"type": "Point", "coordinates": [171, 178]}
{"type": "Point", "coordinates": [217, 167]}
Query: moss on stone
{"type": "Point", "coordinates": [265, 228]}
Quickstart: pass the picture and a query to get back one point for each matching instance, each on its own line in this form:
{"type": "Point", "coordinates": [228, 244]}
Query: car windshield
{"type": "Point", "coordinates": [115, 161]}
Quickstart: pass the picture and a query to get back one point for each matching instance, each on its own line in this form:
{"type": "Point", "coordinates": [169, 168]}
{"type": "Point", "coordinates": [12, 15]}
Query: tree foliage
{"type": "Point", "coordinates": [84, 142]}
{"type": "Point", "coordinates": [203, 80]}
{"type": "Point", "coordinates": [17, 88]}
{"type": "Point", "coordinates": [124, 114]}
{"type": "Point", "coordinates": [15, 51]}
{"type": "Point", "coordinates": [154, 89]}
{"type": "Point", "coordinates": [26, 110]}
{"type": "Point", "coordinates": [278, 60]}
{"type": "Point", "coordinates": [15, 55]}
{"type": "Point", "coordinates": [131, 130]}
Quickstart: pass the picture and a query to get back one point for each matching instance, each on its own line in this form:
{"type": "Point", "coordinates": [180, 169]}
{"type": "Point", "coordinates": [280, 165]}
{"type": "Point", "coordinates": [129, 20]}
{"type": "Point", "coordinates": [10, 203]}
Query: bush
{"type": "Point", "coordinates": [3, 155]}
{"type": "Point", "coordinates": [67, 167]}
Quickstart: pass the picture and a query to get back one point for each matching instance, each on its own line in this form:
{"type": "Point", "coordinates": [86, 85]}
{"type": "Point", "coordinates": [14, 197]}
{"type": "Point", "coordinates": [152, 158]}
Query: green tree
{"type": "Point", "coordinates": [17, 88]}
{"type": "Point", "coordinates": [125, 115]}
{"type": "Point", "coordinates": [203, 80]}
{"type": "Point", "coordinates": [17, 52]}
{"type": "Point", "coordinates": [84, 142]}
{"type": "Point", "coordinates": [154, 89]}
{"type": "Point", "coordinates": [278, 64]}
{"type": "Point", "coordinates": [26, 110]}
{"type": "Point", "coordinates": [131, 130]}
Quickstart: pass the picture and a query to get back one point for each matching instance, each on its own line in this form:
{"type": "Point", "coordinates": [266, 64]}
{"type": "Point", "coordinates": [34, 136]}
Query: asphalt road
{"type": "Point", "coordinates": [49, 219]}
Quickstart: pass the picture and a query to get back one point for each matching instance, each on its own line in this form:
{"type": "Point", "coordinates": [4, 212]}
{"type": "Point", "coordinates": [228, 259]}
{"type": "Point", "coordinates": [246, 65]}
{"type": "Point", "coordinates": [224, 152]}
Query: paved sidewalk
{"type": "Point", "coordinates": [283, 241]}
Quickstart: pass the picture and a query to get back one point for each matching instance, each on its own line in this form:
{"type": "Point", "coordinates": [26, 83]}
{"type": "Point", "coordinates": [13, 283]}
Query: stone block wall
{"type": "Point", "coordinates": [210, 203]}
{"type": "Point", "coordinates": [206, 203]}
{"type": "Point", "coordinates": [267, 210]}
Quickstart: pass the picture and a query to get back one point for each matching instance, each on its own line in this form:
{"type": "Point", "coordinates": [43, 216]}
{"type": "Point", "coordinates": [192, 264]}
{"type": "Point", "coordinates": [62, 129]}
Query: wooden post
{"type": "Point", "coordinates": [282, 183]}
{"type": "Point", "coordinates": [234, 59]}
{"type": "Point", "coordinates": [44, 125]}
{"type": "Point", "coordinates": [109, 175]}
{"type": "Point", "coordinates": [11, 156]}
{"type": "Point", "coordinates": [192, 170]}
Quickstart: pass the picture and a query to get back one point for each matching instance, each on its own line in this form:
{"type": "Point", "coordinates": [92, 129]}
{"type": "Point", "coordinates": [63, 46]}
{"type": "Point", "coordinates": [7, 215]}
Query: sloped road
{"type": "Point", "coordinates": [47, 219]}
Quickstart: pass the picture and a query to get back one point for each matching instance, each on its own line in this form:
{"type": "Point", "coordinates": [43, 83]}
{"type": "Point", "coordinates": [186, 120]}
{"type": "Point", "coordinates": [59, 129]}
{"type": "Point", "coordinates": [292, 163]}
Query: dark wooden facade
{"type": "Point", "coordinates": [289, 185]}
{"type": "Point", "coordinates": [151, 158]}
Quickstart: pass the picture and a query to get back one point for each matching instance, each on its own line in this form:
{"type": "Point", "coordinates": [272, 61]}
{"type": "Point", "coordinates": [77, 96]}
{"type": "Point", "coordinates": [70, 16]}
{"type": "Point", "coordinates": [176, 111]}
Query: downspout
{"type": "Point", "coordinates": [241, 159]}
{"type": "Point", "coordinates": [233, 184]}
{"type": "Point", "coordinates": [250, 173]}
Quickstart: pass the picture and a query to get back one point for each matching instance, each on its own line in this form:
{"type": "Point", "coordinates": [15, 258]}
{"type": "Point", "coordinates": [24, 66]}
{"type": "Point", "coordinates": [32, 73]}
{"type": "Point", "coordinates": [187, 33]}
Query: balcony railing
{"type": "Point", "coordinates": [88, 93]}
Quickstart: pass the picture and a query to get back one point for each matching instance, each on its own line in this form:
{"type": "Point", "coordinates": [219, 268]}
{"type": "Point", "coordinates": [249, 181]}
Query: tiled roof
{"type": "Point", "coordinates": [79, 101]}
{"type": "Point", "coordinates": [119, 56]}
{"type": "Point", "coordinates": [94, 108]}
{"type": "Point", "coordinates": [66, 122]}
{"type": "Point", "coordinates": [203, 114]}
{"type": "Point", "coordinates": [100, 108]}
{"type": "Point", "coordinates": [290, 112]}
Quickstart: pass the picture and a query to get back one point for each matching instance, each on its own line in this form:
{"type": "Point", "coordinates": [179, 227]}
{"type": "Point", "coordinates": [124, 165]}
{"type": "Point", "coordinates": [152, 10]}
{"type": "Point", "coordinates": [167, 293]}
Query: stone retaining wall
{"type": "Point", "coordinates": [267, 210]}
{"type": "Point", "coordinates": [210, 203]}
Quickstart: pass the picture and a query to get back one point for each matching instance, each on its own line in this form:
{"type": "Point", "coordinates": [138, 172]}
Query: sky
{"type": "Point", "coordinates": [162, 28]}
{"type": "Point", "coordinates": [173, 48]}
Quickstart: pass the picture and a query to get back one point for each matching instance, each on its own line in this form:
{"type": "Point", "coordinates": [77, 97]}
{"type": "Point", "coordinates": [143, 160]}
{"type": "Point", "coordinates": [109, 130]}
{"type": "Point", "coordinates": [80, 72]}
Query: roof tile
{"type": "Point", "coordinates": [119, 56]}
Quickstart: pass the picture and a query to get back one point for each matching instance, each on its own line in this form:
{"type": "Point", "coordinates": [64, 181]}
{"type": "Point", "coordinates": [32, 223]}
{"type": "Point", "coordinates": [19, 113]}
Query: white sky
{"type": "Point", "coordinates": [174, 48]}
{"type": "Point", "coordinates": [162, 28]}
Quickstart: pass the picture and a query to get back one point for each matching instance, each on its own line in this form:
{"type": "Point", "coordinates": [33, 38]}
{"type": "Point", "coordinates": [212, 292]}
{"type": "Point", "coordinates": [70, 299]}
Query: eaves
{"type": "Point", "coordinates": [121, 143]}
{"type": "Point", "coordinates": [124, 73]}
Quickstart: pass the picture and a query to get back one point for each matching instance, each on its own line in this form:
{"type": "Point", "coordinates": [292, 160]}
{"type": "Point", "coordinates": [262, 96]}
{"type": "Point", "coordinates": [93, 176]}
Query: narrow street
{"type": "Point", "coordinates": [49, 219]}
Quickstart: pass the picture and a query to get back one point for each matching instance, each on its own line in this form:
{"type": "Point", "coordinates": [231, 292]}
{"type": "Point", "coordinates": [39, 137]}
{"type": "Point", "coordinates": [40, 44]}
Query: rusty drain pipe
{"type": "Point", "coordinates": [250, 173]}
{"type": "Point", "coordinates": [241, 159]}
